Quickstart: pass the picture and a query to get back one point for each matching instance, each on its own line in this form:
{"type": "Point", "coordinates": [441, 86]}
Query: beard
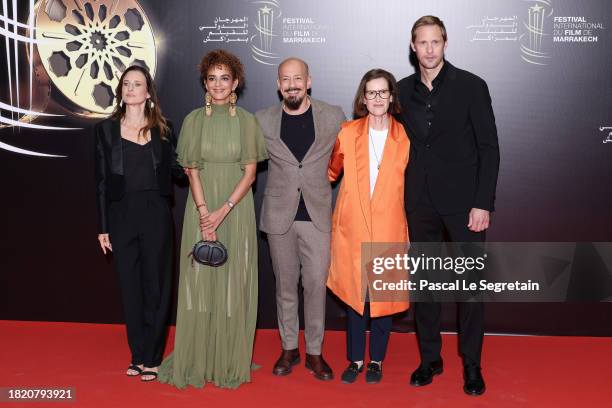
{"type": "Point", "coordinates": [432, 64]}
{"type": "Point", "coordinates": [293, 102]}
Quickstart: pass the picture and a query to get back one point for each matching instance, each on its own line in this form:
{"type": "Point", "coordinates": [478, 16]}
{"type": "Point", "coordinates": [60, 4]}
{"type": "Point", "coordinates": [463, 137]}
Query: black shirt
{"type": "Point", "coordinates": [423, 103]}
{"type": "Point", "coordinates": [138, 166]}
{"type": "Point", "coordinates": [298, 133]}
{"type": "Point", "coordinates": [457, 156]}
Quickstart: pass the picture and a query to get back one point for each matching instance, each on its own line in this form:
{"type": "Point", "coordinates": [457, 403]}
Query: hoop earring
{"type": "Point", "coordinates": [232, 100]}
{"type": "Point", "coordinates": [208, 104]}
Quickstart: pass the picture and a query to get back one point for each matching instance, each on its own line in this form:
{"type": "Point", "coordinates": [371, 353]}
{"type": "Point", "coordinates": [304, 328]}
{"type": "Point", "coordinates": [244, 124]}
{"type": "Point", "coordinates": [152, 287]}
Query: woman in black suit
{"type": "Point", "coordinates": [135, 161]}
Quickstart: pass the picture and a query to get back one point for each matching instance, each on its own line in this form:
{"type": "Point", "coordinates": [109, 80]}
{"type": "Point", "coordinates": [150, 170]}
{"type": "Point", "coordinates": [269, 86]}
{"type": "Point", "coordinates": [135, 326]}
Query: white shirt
{"type": "Point", "coordinates": [377, 139]}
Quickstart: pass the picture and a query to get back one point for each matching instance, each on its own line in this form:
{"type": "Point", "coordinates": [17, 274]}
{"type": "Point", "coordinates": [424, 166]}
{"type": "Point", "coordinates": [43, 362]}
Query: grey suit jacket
{"type": "Point", "coordinates": [287, 177]}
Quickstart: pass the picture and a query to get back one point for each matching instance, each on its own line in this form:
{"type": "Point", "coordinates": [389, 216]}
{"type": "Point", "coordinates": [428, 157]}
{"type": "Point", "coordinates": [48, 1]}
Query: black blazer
{"type": "Point", "coordinates": [110, 183]}
{"type": "Point", "coordinates": [459, 159]}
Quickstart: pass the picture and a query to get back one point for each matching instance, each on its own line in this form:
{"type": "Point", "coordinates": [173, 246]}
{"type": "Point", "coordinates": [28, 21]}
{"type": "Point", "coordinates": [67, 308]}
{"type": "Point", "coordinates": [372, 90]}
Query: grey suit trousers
{"type": "Point", "coordinates": [306, 246]}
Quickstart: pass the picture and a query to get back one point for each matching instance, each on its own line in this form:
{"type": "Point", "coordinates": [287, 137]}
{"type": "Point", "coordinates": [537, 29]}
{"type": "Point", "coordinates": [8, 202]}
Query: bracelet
{"type": "Point", "coordinates": [230, 204]}
{"type": "Point", "coordinates": [201, 205]}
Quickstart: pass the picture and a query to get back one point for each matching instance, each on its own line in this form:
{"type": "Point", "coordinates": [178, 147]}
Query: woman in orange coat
{"type": "Point", "coordinates": [372, 151]}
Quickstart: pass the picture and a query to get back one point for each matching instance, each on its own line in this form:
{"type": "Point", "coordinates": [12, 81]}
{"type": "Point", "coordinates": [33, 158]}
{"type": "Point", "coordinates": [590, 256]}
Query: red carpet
{"type": "Point", "coordinates": [525, 371]}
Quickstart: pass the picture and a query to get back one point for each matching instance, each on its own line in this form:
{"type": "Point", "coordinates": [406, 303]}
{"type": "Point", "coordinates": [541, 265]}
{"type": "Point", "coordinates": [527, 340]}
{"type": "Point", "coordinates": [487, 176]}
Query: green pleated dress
{"type": "Point", "coordinates": [217, 307]}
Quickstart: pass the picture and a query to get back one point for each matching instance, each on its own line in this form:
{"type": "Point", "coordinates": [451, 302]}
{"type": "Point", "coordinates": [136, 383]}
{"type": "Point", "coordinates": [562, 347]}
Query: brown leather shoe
{"type": "Point", "coordinates": [286, 361]}
{"type": "Point", "coordinates": [319, 367]}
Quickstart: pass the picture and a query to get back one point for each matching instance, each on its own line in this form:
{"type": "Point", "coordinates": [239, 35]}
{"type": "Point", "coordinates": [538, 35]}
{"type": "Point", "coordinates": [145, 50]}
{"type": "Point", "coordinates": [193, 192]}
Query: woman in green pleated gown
{"type": "Point", "coordinates": [219, 146]}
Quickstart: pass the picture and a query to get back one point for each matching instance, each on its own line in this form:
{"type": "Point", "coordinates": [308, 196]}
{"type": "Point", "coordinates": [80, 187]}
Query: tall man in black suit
{"type": "Point", "coordinates": [450, 182]}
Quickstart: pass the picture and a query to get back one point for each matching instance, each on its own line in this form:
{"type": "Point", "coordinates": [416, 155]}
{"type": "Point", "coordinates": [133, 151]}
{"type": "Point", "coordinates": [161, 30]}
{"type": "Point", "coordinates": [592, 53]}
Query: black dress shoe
{"type": "Point", "coordinates": [374, 373]}
{"type": "Point", "coordinates": [473, 383]}
{"type": "Point", "coordinates": [425, 373]}
{"type": "Point", "coordinates": [320, 369]}
{"type": "Point", "coordinates": [350, 374]}
{"type": "Point", "coordinates": [286, 361]}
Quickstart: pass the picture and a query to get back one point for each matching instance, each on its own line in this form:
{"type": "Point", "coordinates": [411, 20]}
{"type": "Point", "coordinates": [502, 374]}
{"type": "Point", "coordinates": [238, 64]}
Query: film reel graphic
{"type": "Point", "coordinates": [85, 45]}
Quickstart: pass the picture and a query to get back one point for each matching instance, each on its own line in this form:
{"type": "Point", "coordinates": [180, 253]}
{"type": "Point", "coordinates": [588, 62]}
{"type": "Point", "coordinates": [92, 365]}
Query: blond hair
{"type": "Point", "coordinates": [428, 21]}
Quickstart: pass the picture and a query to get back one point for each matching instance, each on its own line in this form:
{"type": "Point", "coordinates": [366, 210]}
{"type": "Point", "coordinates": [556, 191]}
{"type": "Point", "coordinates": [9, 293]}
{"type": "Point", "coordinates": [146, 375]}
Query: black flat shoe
{"type": "Point", "coordinates": [425, 373]}
{"type": "Point", "coordinates": [151, 373]}
{"type": "Point", "coordinates": [350, 374]}
{"type": "Point", "coordinates": [134, 367]}
{"type": "Point", "coordinates": [473, 383]}
{"type": "Point", "coordinates": [374, 373]}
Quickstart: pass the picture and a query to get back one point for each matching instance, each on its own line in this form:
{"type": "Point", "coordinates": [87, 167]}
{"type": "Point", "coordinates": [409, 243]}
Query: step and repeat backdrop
{"type": "Point", "coordinates": [547, 64]}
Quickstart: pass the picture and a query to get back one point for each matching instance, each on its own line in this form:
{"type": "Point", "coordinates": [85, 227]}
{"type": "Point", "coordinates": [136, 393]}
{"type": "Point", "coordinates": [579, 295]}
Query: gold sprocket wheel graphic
{"type": "Point", "coordinates": [85, 45]}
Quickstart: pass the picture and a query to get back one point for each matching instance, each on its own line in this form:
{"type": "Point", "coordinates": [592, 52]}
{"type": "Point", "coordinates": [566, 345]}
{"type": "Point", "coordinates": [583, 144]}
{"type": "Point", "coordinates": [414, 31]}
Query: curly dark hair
{"type": "Point", "coordinates": [224, 58]}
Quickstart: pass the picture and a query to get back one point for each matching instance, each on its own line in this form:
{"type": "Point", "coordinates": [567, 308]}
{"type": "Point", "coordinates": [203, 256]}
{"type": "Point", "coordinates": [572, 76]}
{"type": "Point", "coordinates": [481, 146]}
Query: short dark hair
{"type": "Point", "coordinates": [425, 21]}
{"type": "Point", "coordinates": [225, 58]}
{"type": "Point", "coordinates": [359, 108]}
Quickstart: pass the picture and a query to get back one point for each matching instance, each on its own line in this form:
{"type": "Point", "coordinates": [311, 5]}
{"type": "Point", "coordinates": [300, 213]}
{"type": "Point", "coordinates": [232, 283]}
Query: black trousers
{"type": "Point", "coordinates": [141, 236]}
{"type": "Point", "coordinates": [425, 224]}
{"type": "Point", "coordinates": [356, 334]}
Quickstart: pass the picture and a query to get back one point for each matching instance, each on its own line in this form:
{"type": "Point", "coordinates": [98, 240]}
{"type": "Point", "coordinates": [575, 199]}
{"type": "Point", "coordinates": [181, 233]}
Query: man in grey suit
{"type": "Point", "coordinates": [296, 211]}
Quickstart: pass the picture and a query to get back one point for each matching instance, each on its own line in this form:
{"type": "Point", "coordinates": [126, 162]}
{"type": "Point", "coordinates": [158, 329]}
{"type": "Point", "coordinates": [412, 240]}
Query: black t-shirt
{"type": "Point", "coordinates": [298, 133]}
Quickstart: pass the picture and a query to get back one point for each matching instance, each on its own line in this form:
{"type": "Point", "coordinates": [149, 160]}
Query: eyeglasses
{"type": "Point", "coordinates": [383, 93]}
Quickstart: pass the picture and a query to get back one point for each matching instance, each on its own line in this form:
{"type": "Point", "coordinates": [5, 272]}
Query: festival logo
{"type": "Point", "coordinates": [268, 31]}
{"type": "Point", "coordinates": [276, 32]}
{"type": "Point", "coordinates": [74, 51]}
{"type": "Point", "coordinates": [84, 46]}
{"type": "Point", "coordinates": [536, 30]}
{"type": "Point", "coordinates": [263, 42]}
{"type": "Point", "coordinates": [534, 41]}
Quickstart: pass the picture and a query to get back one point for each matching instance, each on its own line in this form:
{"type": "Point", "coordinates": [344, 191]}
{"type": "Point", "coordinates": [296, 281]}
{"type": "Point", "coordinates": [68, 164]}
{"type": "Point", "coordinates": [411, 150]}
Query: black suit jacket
{"type": "Point", "coordinates": [459, 159]}
{"type": "Point", "coordinates": [110, 183]}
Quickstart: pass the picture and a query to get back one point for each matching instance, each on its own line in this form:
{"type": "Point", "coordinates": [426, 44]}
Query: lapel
{"type": "Point", "coordinates": [405, 117]}
{"type": "Point", "coordinates": [283, 150]}
{"type": "Point", "coordinates": [112, 129]}
{"type": "Point", "coordinates": [410, 132]}
{"type": "Point", "coordinates": [156, 146]}
{"type": "Point", "coordinates": [316, 111]}
{"type": "Point", "coordinates": [362, 164]}
{"type": "Point", "coordinates": [389, 158]}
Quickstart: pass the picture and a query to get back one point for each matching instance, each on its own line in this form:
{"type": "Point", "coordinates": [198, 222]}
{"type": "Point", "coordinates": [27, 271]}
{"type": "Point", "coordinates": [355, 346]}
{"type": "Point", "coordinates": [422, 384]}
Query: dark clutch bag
{"type": "Point", "coordinates": [210, 253]}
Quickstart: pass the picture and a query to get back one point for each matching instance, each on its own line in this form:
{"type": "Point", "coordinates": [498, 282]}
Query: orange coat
{"type": "Point", "coordinates": [357, 218]}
